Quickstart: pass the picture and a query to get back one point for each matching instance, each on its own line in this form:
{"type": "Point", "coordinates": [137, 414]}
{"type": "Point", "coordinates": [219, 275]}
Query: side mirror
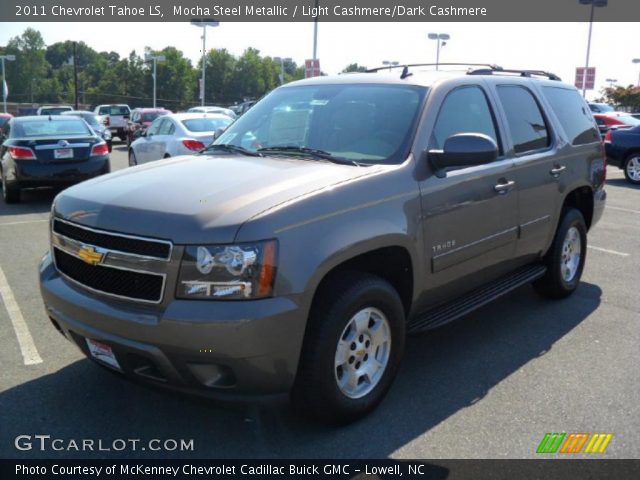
{"type": "Point", "coordinates": [463, 150]}
{"type": "Point", "coordinates": [219, 131]}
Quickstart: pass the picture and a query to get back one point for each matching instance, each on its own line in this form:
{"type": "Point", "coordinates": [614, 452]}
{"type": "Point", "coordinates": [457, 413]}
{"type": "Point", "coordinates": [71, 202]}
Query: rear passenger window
{"type": "Point", "coordinates": [465, 110]}
{"type": "Point", "coordinates": [573, 114]}
{"type": "Point", "coordinates": [529, 131]}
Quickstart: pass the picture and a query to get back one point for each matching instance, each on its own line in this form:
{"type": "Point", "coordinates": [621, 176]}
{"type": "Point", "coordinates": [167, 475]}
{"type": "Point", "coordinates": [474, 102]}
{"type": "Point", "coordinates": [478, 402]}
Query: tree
{"type": "Point", "coordinates": [623, 97]}
{"type": "Point", "coordinates": [219, 76]}
{"type": "Point", "coordinates": [26, 73]}
{"type": "Point", "coordinates": [176, 81]}
{"type": "Point", "coordinates": [354, 67]}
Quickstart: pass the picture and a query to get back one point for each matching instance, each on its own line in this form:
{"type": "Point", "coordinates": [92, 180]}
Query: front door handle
{"type": "Point", "coordinates": [557, 170]}
{"type": "Point", "coordinates": [502, 188]}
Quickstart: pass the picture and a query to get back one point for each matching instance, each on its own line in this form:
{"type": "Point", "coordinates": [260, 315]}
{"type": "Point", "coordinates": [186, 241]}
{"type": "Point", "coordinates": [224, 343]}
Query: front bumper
{"type": "Point", "coordinates": [232, 350]}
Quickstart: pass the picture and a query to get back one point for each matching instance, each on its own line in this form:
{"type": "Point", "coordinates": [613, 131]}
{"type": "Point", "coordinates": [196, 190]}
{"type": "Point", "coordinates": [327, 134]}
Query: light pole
{"type": "Point", "coordinates": [204, 23]}
{"type": "Point", "coordinates": [282, 60]}
{"type": "Point", "coordinates": [611, 81]}
{"type": "Point", "coordinates": [391, 63]}
{"type": "Point", "coordinates": [315, 31]}
{"type": "Point", "coordinates": [637, 60]}
{"type": "Point", "coordinates": [594, 4]}
{"type": "Point", "coordinates": [5, 88]}
{"type": "Point", "coordinates": [155, 59]}
{"type": "Point", "coordinates": [441, 38]}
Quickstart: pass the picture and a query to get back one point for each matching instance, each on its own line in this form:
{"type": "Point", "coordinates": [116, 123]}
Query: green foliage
{"type": "Point", "coordinates": [354, 67]}
{"type": "Point", "coordinates": [44, 74]}
{"type": "Point", "coordinates": [627, 98]}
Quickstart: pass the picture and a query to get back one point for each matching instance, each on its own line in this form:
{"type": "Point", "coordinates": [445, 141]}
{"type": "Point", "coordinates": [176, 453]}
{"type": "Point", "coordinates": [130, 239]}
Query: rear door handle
{"type": "Point", "coordinates": [555, 171]}
{"type": "Point", "coordinates": [503, 188]}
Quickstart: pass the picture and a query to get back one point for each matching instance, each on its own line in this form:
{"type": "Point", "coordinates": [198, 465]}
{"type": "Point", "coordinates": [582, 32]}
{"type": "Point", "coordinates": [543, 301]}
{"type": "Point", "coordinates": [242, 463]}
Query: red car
{"type": "Point", "coordinates": [140, 119]}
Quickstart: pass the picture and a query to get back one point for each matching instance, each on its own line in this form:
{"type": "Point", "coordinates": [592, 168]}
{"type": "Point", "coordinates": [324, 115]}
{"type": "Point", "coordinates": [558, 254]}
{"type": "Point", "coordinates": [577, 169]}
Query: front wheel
{"type": "Point", "coordinates": [565, 259]}
{"type": "Point", "coordinates": [632, 169]}
{"type": "Point", "coordinates": [352, 349]}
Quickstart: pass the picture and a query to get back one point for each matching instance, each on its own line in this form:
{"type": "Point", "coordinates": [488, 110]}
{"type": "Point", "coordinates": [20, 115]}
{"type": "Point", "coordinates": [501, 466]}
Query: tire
{"type": "Point", "coordinates": [631, 168]}
{"type": "Point", "coordinates": [316, 392]}
{"type": "Point", "coordinates": [132, 159]}
{"type": "Point", "coordinates": [10, 193]}
{"type": "Point", "coordinates": [566, 257]}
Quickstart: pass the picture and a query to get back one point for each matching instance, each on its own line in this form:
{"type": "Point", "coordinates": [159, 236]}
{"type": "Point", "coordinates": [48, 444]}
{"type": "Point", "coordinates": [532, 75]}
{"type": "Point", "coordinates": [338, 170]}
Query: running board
{"type": "Point", "coordinates": [459, 307]}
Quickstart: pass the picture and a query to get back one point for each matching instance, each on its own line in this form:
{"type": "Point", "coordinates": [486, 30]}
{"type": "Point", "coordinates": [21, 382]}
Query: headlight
{"type": "Point", "coordinates": [106, 135]}
{"type": "Point", "coordinates": [228, 272]}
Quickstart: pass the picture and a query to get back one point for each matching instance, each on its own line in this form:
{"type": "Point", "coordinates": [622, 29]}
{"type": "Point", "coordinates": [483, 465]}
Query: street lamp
{"type": "Point", "coordinates": [441, 39]}
{"type": "Point", "coordinates": [204, 23]}
{"type": "Point", "coordinates": [5, 88]}
{"type": "Point", "coordinates": [611, 81]}
{"type": "Point", "coordinates": [155, 59]}
{"type": "Point", "coordinates": [637, 60]}
{"type": "Point", "coordinates": [594, 4]}
{"type": "Point", "coordinates": [391, 63]}
{"type": "Point", "coordinates": [282, 60]}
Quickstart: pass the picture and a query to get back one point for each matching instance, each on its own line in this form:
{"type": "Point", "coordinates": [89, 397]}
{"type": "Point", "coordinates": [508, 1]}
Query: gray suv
{"type": "Point", "coordinates": [339, 214]}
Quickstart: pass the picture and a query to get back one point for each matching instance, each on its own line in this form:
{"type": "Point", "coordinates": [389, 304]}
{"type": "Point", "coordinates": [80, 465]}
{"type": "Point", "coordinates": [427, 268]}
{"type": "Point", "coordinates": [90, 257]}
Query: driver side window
{"type": "Point", "coordinates": [464, 110]}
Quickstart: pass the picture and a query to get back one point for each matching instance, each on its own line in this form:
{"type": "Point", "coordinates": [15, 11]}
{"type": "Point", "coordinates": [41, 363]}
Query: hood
{"type": "Point", "coordinates": [196, 199]}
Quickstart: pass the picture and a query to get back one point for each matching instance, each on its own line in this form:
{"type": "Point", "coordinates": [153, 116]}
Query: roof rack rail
{"type": "Point", "coordinates": [407, 65]}
{"type": "Point", "coordinates": [522, 73]}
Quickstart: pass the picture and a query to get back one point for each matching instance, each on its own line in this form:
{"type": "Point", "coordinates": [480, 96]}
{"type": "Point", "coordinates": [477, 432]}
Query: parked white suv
{"type": "Point", "coordinates": [116, 117]}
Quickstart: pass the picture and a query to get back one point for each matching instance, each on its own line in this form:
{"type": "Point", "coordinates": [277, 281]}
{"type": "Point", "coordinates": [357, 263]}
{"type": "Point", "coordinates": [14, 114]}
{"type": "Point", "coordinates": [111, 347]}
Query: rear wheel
{"type": "Point", "coordinates": [565, 259]}
{"type": "Point", "coordinates": [632, 169]}
{"type": "Point", "coordinates": [132, 159]}
{"type": "Point", "coordinates": [352, 349]}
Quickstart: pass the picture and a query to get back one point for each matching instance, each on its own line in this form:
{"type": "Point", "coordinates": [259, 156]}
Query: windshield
{"type": "Point", "coordinates": [205, 124]}
{"type": "Point", "coordinates": [151, 116]}
{"type": "Point", "coordinates": [90, 118]}
{"type": "Point", "coordinates": [48, 128]}
{"type": "Point", "coordinates": [114, 110]}
{"type": "Point", "coordinates": [53, 111]}
{"type": "Point", "coordinates": [601, 107]}
{"type": "Point", "coordinates": [367, 123]}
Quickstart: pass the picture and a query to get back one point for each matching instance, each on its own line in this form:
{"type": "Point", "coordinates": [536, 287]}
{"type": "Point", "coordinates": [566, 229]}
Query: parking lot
{"type": "Point", "coordinates": [488, 386]}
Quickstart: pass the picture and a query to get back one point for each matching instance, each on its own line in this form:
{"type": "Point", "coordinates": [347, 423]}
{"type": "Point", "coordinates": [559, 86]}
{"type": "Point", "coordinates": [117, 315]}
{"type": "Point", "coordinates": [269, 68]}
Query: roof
{"type": "Point", "coordinates": [190, 115]}
{"type": "Point", "coordinates": [426, 75]}
{"type": "Point", "coordinates": [52, 118]}
{"type": "Point", "coordinates": [150, 109]}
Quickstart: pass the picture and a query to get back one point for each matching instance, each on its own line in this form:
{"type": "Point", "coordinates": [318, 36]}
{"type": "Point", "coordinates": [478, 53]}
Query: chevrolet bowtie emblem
{"type": "Point", "coordinates": [90, 255]}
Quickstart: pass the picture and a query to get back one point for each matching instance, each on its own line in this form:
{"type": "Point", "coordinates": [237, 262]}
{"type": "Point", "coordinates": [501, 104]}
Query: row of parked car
{"type": "Point", "coordinates": [620, 132]}
{"type": "Point", "coordinates": [61, 146]}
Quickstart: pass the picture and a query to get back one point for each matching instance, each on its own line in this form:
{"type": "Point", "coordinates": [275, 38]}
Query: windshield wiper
{"type": "Point", "coordinates": [228, 147]}
{"type": "Point", "coordinates": [314, 152]}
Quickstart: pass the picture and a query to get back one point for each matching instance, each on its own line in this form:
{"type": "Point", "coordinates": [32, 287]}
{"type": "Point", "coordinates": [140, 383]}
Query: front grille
{"type": "Point", "coordinates": [123, 283]}
{"type": "Point", "coordinates": [137, 246]}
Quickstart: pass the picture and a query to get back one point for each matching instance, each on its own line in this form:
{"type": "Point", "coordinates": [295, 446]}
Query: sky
{"type": "Point", "coordinates": [555, 47]}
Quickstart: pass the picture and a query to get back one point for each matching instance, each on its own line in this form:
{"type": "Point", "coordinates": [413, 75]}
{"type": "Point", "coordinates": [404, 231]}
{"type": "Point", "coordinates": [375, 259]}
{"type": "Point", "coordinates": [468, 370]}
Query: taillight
{"type": "Point", "coordinates": [100, 149]}
{"type": "Point", "coordinates": [21, 153]}
{"type": "Point", "coordinates": [607, 137]}
{"type": "Point", "coordinates": [194, 145]}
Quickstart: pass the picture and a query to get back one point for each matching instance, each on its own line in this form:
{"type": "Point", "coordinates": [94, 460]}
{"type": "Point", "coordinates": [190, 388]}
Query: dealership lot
{"type": "Point", "coordinates": [490, 385]}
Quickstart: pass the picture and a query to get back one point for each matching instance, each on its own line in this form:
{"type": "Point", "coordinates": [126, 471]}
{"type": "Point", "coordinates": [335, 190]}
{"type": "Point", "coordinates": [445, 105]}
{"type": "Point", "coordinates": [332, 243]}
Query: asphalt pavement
{"type": "Point", "coordinates": [487, 386]}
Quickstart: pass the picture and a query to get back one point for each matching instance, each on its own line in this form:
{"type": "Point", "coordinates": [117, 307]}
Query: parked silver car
{"type": "Point", "coordinates": [176, 134]}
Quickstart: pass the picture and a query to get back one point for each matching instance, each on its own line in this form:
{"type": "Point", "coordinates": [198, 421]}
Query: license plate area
{"type": "Point", "coordinates": [103, 353]}
{"type": "Point", "coordinates": [61, 153]}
